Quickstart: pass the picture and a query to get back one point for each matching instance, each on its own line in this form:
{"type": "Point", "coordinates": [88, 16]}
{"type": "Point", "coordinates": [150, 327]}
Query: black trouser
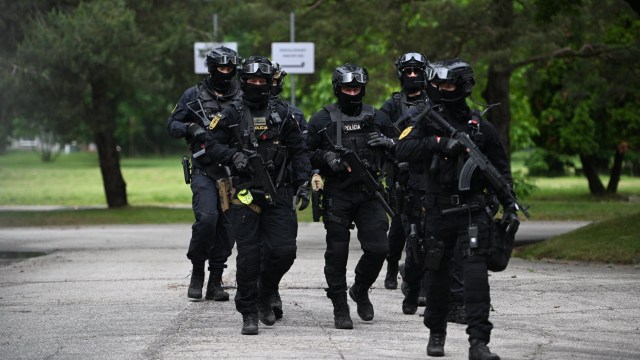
{"type": "Point", "coordinates": [397, 239]}
{"type": "Point", "coordinates": [341, 209]}
{"type": "Point", "coordinates": [453, 230]}
{"type": "Point", "coordinates": [211, 234]}
{"type": "Point", "coordinates": [271, 234]}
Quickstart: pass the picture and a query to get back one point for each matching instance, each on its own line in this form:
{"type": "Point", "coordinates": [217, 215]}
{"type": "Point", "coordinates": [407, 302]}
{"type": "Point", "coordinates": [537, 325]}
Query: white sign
{"type": "Point", "coordinates": [294, 57]}
{"type": "Point", "coordinates": [200, 50]}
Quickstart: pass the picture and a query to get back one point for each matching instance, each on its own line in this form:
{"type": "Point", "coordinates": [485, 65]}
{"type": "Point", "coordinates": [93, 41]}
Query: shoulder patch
{"type": "Point", "coordinates": [214, 121]}
{"type": "Point", "coordinates": [405, 132]}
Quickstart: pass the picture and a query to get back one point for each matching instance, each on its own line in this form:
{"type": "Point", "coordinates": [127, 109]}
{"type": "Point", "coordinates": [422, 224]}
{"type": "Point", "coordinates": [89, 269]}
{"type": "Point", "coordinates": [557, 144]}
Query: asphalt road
{"type": "Point", "coordinates": [119, 292]}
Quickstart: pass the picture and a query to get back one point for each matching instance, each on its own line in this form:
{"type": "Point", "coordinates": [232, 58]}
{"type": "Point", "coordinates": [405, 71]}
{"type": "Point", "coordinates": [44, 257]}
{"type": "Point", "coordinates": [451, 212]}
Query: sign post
{"type": "Point", "coordinates": [200, 50]}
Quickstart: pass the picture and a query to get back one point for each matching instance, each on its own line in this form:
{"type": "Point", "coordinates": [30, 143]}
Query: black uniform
{"type": "Point", "coordinates": [211, 238]}
{"type": "Point", "coordinates": [451, 228]}
{"type": "Point", "coordinates": [345, 205]}
{"type": "Point", "coordinates": [271, 131]}
{"type": "Point", "coordinates": [403, 185]}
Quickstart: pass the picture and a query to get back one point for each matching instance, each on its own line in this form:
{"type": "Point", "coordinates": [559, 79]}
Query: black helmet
{"type": "Point", "coordinates": [256, 67]}
{"type": "Point", "coordinates": [411, 59]}
{"type": "Point", "coordinates": [221, 56]}
{"type": "Point", "coordinates": [349, 75]}
{"type": "Point", "coordinates": [454, 71]}
{"type": "Point", "coordinates": [278, 75]}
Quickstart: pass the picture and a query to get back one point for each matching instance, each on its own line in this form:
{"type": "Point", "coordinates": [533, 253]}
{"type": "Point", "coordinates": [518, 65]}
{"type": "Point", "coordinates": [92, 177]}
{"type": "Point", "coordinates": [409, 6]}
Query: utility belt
{"type": "Point", "coordinates": [455, 203]}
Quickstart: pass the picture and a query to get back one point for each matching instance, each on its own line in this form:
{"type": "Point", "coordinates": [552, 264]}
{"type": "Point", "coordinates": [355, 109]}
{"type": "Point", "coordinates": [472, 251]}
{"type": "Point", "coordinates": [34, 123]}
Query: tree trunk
{"type": "Point", "coordinates": [616, 170]}
{"type": "Point", "coordinates": [103, 126]}
{"type": "Point", "coordinates": [497, 91]}
{"type": "Point", "coordinates": [588, 166]}
{"type": "Point", "coordinates": [500, 69]}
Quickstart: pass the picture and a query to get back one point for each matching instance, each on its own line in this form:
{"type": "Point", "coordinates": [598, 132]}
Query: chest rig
{"type": "Point", "coordinates": [448, 170]}
{"type": "Point", "coordinates": [206, 104]}
{"type": "Point", "coordinates": [351, 133]}
{"type": "Point", "coordinates": [261, 132]}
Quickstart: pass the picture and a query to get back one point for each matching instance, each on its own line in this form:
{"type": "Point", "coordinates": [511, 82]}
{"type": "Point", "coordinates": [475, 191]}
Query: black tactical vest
{"type": "Point", "coordinates": [261, 130]}
{"type": "Point", "coordinates": [353, 134]}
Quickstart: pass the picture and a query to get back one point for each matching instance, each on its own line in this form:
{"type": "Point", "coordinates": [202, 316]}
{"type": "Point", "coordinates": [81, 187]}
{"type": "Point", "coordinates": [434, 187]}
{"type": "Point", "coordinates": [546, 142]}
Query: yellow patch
{"type": "Point", "coordinates": [215, 120]}
{"type": "Point", "coordinates": [261, 127]}
{"type": "Point", "coordinates": [405, 132]}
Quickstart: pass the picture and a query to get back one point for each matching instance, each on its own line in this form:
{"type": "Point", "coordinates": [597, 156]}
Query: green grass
{"type": "Point", "coordinates": [613, 241]}
{"type": "Point", "coordinates": [157, 194]}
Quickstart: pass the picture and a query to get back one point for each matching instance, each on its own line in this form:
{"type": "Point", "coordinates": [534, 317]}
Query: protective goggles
{"type": "Point", "coordinates": [353, 76]}
{"type": "Point", "coordinates": [442, 73]}
{"type": "Point", "coordinates": [415, 56]}
{"type": "Point", "coordinates": [226, 59]}
{"type": "Point", "coordinates": [253, 68]}
{"type": "Point", "coordinates": [411, 69]}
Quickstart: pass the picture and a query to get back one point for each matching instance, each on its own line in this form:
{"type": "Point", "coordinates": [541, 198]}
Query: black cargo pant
{"type": "Point", "coordinates": [453, 231]}
{"type": "Point", "coordinates": [342, 208]}
{"type": "Point", "coordinates": [271, 233]}
{"type": "Point", "coordinates": [211, 233]}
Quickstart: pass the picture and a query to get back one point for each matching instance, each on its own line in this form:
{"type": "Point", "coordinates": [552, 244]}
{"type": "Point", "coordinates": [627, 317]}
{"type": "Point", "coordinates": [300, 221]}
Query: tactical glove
{"type": "Point", "coordinates": [510, 221]}
{"type": "Point", "coordinates": [195, 133]}
{"type": "Point", "coordinates": [334, 162]}
{"type": "Point", "coordinates": [241, 162]}
{"type": "Point", "coordinates": [303, 196]}
{"type": "Point", "coordinates": [375, 139]}
{"type": "Point", "coordinates": [451, 147]}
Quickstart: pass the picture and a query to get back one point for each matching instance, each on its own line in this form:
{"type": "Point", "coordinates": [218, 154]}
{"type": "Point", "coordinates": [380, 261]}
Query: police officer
{"type": "Point", "coordinates": [350, 125]}
{"type": "Point", "coordinates": [279, 75]}
{"type": "Point", "coordinates": [455, 217]}
{"type": "Point", "coordinates": [278, 82]}
{"type": "Point", "coordinates": [408, 193]}
{"type": "Point", "coordinates": [410, 68]}
{"type": "Point", "coordinates": [210, 236]}
{"type": "Point", "coordinates": [258, 139]}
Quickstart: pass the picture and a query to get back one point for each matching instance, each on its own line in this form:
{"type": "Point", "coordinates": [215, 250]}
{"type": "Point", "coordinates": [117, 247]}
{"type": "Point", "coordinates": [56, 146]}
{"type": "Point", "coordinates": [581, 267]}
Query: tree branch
{"type": "Point", "coordinates": [586, 51]}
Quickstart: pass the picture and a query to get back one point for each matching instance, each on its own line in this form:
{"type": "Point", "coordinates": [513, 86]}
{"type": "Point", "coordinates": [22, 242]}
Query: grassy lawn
{"type": "Point", "coordinates": [157, 194]}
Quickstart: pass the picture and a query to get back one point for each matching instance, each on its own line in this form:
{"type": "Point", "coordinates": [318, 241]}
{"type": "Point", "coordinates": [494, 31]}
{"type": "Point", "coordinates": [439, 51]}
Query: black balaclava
{"type": "Point", "coordinates": [351, 104]}
{"type": "Point", "coordinates": [256, 95]}
{"type": "Point", "coordinates": [220, 82]}
{"type": "Point", "coordinates": [413, 84]}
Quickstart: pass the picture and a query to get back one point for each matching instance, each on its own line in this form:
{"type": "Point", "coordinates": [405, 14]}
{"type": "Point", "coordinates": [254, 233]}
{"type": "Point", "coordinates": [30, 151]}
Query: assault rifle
{"type": "Point", "coordinates": [358, 172]}
{"type": "Point", "coordinates": [259, 173]}
{"type": "Point", "coordinates": [476, 160]}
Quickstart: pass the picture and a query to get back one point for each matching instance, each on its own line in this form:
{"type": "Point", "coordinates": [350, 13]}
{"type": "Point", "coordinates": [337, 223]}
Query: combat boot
{"type": "Point", "coordinates": [197, 281]}
{"type": "Point", "coordinates": [435, 347]}
{"type": "Point", "coordinates": [265, 312]}
{"type": "Point", "coordinates": [360, 294]}
{"type": "Point", "coordinates": [410, 302]}
{"type": "Point", "coordinates": [479, 351]}
{"type": "Point", "coordinates": [214, 287]}
{"type": "Point", "coordinates": [391, 280]}
{"type": "Point", "coordinates": [457, 314]}
{"type": "Point", "coordinates": [249, 324]}
{"type": "Point", "coordinates": [276, 304]}
{"type": "Point", "coordinates": [341, 316]}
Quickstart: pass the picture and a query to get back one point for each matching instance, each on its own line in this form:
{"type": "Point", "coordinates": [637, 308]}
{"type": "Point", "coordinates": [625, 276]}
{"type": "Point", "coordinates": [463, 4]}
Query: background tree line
{"type": "Point", "coordinates": [564, 73]}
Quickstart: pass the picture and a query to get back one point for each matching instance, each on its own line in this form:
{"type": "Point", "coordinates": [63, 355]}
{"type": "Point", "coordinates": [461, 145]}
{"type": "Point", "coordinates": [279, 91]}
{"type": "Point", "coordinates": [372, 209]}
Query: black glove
{"type": "Point", "coordinates": [241, 162]}
{"type": "Point", "coordinates": [335, 163]}
{"type": "Point", "coordinates": [303, 196]}
{"type": "Point", "coordinates": [375, 139]}
{"type": "Point", "coordinates": [510, 221]}
{"type": "Point", "coordinates": [451, 146]}
{"type": "Point", "coordinates": [195, 133]}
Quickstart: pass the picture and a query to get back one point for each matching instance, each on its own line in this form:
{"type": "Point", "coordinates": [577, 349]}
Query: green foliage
{"type": "Point", "coordinates": [548, 163]}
